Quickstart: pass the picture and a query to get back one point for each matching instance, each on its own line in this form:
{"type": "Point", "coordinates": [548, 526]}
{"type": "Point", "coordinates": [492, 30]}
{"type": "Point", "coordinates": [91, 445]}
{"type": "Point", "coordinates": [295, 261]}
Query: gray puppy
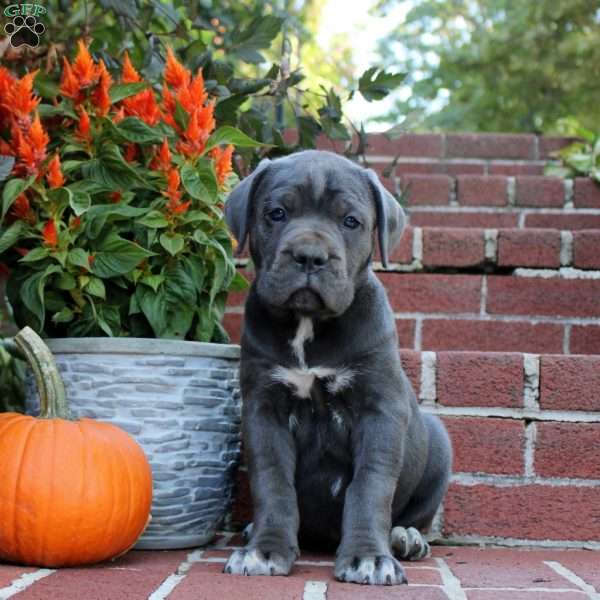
{"type": "Point", "coordinates": [339, 454]}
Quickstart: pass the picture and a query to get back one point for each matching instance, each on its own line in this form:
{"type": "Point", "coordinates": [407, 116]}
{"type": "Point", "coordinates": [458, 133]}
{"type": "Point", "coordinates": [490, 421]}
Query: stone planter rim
{"type": "Point", "coordinates": [130, 345]}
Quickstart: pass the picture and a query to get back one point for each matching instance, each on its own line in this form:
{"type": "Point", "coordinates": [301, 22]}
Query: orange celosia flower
{"type": "Point", "coordinates": [193, 95]}
{"type": "Point", "coordinates": [119, 115]}
{"type": "Point", "coordinates": [6, 83]}
{"type": "Point", "coordinates": [162, 159]}
{"type": "Point", "coordinates": [116, 197]}
{"type": "Point", "coordinates": [74, 222]}
{"type": "Point", "coordinates": [19, 99]}
{"type": "Point", "coordinates": [54, 174]}
{"type": "Point", "coordinates": [144, 106]}
{"type": "Point", "coordinates": [176, 75]}
{"type": "Point", "coordinates": [50, 233]}
{"type": "Point", "coordinates": [101, 96]}
{"type": "Point", "coordinates": [200, 126]}
{"type": "Point", "coordinates": [31, 147]}
{"type": "Point", "coordinates": [84, 69]}
{"type": "Point", "coordinates": [173, 193]}
{"type": "Point", "coordinates": [130, 152]}
{"type": "Point", "coordinates": [21, 209]}
{"type": "Point", "coordinates": [6, 149]}
{"type": "Point", "coordinates": [21, 251]}
{"type": "Point", "coordinates": [128, 73]}
{"type": "Point", "coordinates": [69, 84]}
{"type": "Point", "coordinates": [222, 160]}
{"type": "Point", "coordinates": [83, 126]}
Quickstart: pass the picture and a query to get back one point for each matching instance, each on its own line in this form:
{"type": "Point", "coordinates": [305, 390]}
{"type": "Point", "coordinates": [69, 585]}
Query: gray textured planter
{"type": "Point", "coordinates": [181, 402]}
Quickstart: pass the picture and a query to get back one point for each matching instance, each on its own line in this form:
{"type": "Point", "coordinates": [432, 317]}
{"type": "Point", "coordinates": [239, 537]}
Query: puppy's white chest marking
{"type": "Point", "coordinates": [301, 379]}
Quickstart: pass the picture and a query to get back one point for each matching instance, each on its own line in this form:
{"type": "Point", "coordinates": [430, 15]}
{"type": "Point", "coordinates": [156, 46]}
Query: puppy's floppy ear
{"type": "Point", "coordinates": [390, 217]}
{"type": "Point", "coordinates": [238, 207]}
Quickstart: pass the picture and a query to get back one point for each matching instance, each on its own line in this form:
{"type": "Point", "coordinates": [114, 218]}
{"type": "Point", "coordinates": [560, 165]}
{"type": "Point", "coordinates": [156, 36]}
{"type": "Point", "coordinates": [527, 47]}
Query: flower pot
{"type": "Point", "coordinates": [180, 400]}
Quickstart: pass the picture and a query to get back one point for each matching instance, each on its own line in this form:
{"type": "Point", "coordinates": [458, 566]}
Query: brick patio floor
{"type": "Point", "coordinates": [452, 573]}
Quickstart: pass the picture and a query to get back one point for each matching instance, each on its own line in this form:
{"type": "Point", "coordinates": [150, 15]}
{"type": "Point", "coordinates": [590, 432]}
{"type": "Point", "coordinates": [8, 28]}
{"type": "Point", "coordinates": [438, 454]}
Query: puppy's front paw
{"type": "Point", "coordinates": [374, 570]}
{"type": "Point", "coordinates": [251, 561]}
{"type": "Point", "coordinates": [409, 544]}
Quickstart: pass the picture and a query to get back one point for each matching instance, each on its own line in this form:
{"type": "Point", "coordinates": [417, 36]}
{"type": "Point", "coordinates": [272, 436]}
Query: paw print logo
{"type": "Point", "coordinates": [24, 31]}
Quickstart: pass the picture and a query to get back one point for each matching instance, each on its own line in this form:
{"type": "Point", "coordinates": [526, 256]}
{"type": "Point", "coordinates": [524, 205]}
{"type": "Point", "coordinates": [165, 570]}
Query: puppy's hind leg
{"type": "Point", "coordinates": [406, 539]}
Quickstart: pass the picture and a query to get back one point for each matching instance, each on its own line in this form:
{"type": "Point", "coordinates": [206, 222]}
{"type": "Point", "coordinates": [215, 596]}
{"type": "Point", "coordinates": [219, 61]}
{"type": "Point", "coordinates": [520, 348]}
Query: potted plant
{"type": "Point", "coordinates": [114, 240]}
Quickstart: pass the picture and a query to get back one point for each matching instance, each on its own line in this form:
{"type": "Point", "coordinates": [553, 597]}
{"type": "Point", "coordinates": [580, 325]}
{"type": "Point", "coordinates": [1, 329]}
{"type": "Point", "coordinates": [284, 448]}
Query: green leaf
{"type": "Point", "coordinates": [95, 287]}
{"type": "Point", "coordinates": [153, 281]}
{"type": "Point", "coordinates": [35, 254]}
{"type": "Point", "coordinates": [12, 189]}
{"type": "Point", "coordinates": [135, 130]}
{"type": "Point", "coordinates": [80, 202]}
{"type": "Point", "coordinates": [154, 219]}
{"type": "Point", "coordinates": [9, 236]}
{"type": "Point", "coordinates": [172, 243]}
{"type": "Point", "coordinates": [79, 258]}
{"type": "Point", "coordinates": [124, 90]}
{"type": "Point", "coordinates": [32, 292]}
{"type": "Point", "coordinates": [66, 281]}
{"type": "Point", "coordinates": [200, 182]}
{"type": "Point", "coordinates": [231, 135]}
{"type": "Point", "coordinates": [61, 196]}
{"type": "Point", "coordinates": [64, 316]}
{"type": "Point", "coordinates": [6, 165]}
{"type": "Point", "coordinates": [116, 256]}
{"type": "Point", "coordinates": [256, 35]}
{"type": "Point", "coordinates": [375, 84]}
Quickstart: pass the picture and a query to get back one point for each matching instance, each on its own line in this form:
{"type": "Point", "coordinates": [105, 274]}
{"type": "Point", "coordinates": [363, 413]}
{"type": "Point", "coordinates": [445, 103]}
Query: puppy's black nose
{"type": "Point", "coordinates": [310, 258]}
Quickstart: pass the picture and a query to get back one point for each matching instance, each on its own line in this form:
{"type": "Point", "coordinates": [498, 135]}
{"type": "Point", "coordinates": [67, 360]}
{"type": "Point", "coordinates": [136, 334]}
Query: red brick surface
{"type": "Point", "coordinates": [493, 145]}
{"type": "Point", "coordinates": [464, 219]}
{"type": "Point", "coordinates": [475, 379]}
{"type": "Point", "coordinates": [233, 323]}
{"type": "Point", "coordinates": [586, 193]}
{"type": "Point", "coordinates": [486, 445]}
{"type": "Point", "coordinates": [521, 595]}
{"type": "Point", "coordinates": [570, 382]}
{"type": "Point", "coordinates": [9, 573]}
{"type": "Point", "coordinates": [533, 248]}
{"type": "Point", "coordinates": [402, 253]}
{"type": "Point", "coordinates": [562, 221]}
{"type": "Point", "coordinates": [540, 192]}
{"type": "Point", "coordinates": [132, 577]}
{"type": "Point", "coordinates": [409, 292]}
{"type": "Point", "coordinates": [453, 247]}
{"type": "Point", "coordinates": [476, 190]}
{"type": "Point", "coordinates": [549, 144]}
{"type": "Point", "coordinates": [567, 450]}
{"type": "Point", "coordinates": [586, 249]}
{"type": "Point", "coordinates": [349, 591]}
{"type": "Point", "coordinates": [504, 567]}
{"type": "Point", "coordinates": [411, 363]}
{"type": "Point", "coordinates": [531, 512]}
{"type": "Point", "coordinates": [585, 339]}
{"type": "Point", "coordinates": [530, 296]}
{"type": "Point", "coordinates": [406, 332]}
{"type": "Point", "coordinates": [514, 169]}
{"type": "Point", "coordinates": [426, 189]}
{"type": "Point", "coordinates": [491, 336]}
{"type": "Point", "coordinates": [426, 145]}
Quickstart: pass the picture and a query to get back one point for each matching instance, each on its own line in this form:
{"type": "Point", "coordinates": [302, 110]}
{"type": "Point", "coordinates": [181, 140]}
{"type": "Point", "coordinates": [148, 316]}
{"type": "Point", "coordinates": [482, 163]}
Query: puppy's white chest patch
{"type": "Point", "coordinates": [301, 379]}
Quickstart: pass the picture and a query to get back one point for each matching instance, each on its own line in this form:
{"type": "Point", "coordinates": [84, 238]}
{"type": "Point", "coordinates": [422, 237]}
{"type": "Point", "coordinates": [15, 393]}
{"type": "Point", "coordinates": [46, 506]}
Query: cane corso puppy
{"type": "Point", "coordinates": [339, 454]}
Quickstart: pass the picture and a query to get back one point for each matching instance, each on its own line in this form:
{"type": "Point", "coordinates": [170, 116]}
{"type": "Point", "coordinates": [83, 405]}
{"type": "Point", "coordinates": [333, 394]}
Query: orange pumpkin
{"type": "Point", "coordinates": [71, 492]}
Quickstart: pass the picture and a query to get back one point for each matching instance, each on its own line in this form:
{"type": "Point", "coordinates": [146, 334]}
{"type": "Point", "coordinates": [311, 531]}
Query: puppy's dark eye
{"type": "Point", "coordinates": [351, 223]}
{"type": "Point", "coordinates": [277, 214]}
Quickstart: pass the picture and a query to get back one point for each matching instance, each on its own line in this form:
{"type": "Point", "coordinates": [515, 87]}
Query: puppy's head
{"type": "Point", "coordinates": [312, 219]}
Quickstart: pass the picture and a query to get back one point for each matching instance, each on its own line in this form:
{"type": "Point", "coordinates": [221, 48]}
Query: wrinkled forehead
{"type": "Point", "coordinates": [321, 183]}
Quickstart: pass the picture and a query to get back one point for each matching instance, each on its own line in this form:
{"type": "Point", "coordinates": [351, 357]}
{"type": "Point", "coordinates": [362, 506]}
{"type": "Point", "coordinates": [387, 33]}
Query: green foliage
{"type": "Point", "coordinates": [582, 157]}
{"type": "Point", "coordinates": [497, 65]}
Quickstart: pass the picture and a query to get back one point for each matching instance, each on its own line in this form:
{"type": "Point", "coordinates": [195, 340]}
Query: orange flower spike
{"type": "Point", "coordinates": [173, 182]}
{"type": "Point", "coordinates": [84, 67]}
{"type": "Point", "coordinates": [119, 115]}
{"type": "Point", "coordinates": [69, 84]}
{"type": "Point", "coordinates": [162, 159]}
{"type": "Point", "coordinates": [31, 148]}
{"type": "Point", "coordinates": [83, 126]}
{"type": "Point", "coordinates": [54, 174]}
{"type": "Point", "coordinates": [200, 126]}
{"type": "Point", "coordinates": [20, 100]}
{"type": "Point", "coordinates": [50, 234]}
{"type": "Point", "coordinates": [130, 152]}
{"type": "Point", "coordinates": [115, 197]}
{"type": "Point", "coordinates": [176, 75]}
{"type": "Point", "coordinates": [222, 160]}
{"type": "Point", "coordinates": [128, 72]}
{"type": "Point", "coordinates": [144, 106]}
{"type": "Point", "coordinates": [101, 95]}
{"type": "Point", "coordinates": [194, 95]}
{"type": "Point", "coordinates": [21, 208]}
{"type": "Point", "coordinates": [179, 209]}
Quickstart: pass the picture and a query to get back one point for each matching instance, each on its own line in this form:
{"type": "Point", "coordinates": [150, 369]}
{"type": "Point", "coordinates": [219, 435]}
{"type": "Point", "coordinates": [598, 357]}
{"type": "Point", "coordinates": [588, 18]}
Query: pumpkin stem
{"type": "Point", "coordinates": [50, 387]}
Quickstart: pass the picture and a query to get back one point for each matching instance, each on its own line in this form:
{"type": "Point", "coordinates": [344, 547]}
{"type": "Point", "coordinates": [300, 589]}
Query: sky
{"type": "Point", "coordinates": [353, 18]}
